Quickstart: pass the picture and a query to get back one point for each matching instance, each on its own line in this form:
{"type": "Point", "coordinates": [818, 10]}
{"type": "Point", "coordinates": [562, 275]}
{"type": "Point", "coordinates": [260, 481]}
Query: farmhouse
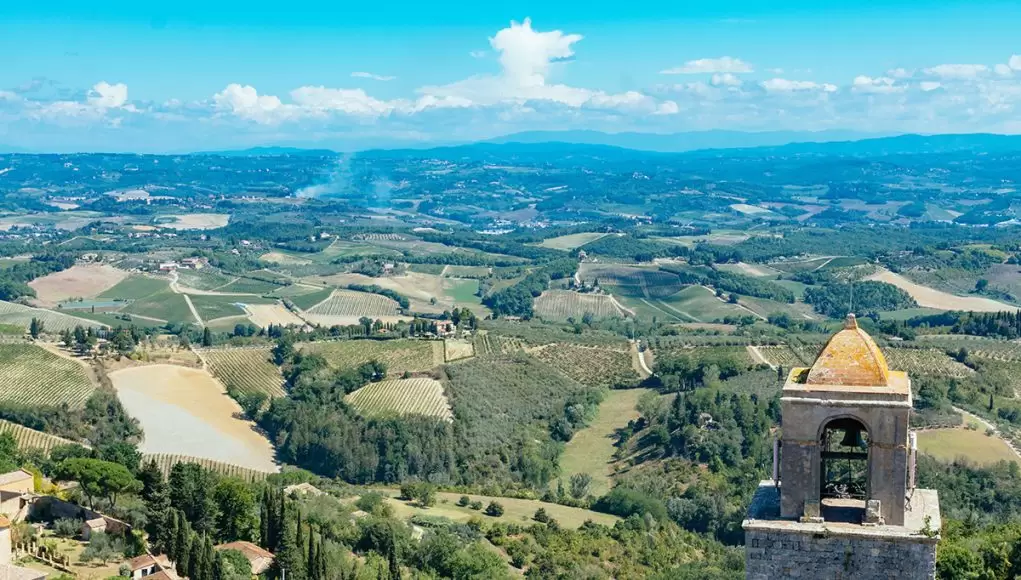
{"type": "Point", "coordinates": [445, 327]}
{"type": "Point", "coordinates": [193, 263]}
{"type": "Point", "coordinates": [259, 558]}
{"type": "Point", "coordinates": [168, 266]}
{"type": "Point", "coordinates": [15, 489]}
{"type": "Point", "coordinates": [144, 565]}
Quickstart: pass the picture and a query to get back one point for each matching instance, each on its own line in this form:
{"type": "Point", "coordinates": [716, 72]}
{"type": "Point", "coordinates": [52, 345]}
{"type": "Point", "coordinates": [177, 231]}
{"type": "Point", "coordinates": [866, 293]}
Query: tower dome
{"type": "Point", "coordinates": [850, 358]}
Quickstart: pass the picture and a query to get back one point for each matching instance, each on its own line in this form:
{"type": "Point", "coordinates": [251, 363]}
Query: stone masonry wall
{"type": "Point", "coordinates": [776, 556]}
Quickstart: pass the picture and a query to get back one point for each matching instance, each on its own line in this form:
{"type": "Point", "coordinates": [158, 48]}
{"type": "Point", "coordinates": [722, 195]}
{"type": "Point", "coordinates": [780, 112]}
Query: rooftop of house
{"type": "Point", "coordinates": [141, 562]}
{"type": "Point", "coordinates": [15, 476]}
{"type": "Point", "coordinates": [250, 550]}
{"type": "Point", "coordinates": [4, 522]}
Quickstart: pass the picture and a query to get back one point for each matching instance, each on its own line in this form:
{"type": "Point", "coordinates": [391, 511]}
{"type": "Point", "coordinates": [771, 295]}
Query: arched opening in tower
{"type": "Point", "coordinates": [844, 469]}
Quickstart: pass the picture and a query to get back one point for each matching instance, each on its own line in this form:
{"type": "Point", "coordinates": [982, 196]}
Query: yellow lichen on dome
{"type": "Point", "coordinates": [850, 358]}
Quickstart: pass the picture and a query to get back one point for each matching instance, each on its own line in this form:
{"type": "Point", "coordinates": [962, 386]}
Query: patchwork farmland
{"type": "Point", "coordinates": [18, 315]}
{"type": "Point", "coordinates": [30, 438]}
{"type": "Point", "coordinates": [399, 355]}
{"type": "Point", "coordinates": [244, 369]}
{"type": "Point", "coordinates": [346, 307]}
{"type": "Point", "coordinates": [166, 461]}
{"type": "Point", "coordinates": [590, 365]}
{"type": "Point", "coordinates": [564, 304]}
{"type": "Point", "coordinates": [419, 396]}
{"type": "Point", "coordinates": [34, 376]}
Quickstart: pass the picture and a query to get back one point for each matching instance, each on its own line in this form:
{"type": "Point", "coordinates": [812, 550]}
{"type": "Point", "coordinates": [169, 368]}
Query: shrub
{"type": "Point", "coordinates": [494, 509]}
{"type": "Point", "coordinates": [475, 505]}
{"type": "Point", "coordinates": [370, 501]}
{"type": "Point", "coordinates": [67, 528]}
{"type": "Point", "coordinates": [541, 516]}
{"type": "Point", "coordinates": [464, 501]}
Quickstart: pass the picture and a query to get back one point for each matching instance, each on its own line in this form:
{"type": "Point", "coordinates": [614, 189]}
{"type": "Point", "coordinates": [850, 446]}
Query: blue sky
{"type": "Point", "coordinates": [158, 76]}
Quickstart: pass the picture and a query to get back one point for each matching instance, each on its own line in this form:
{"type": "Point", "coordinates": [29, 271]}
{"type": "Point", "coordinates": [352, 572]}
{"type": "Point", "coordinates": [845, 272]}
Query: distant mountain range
{"type": "Point", "coordinates": [845, 143]}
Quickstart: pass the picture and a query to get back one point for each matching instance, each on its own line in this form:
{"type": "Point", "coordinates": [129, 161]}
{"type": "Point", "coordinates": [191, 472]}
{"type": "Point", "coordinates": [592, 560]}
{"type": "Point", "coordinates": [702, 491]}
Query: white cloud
{"type": "Point", "coordinates": [350, 101]}
{"type": "Point", "coordinates": [929, 85]}
{"type": "Point", "coordinates": [899, 73]}
{"type": "Point", "coordinates": [368, 75]}
{"type": "Point", "coordinates": [778, 85]}
{"type": "Point", "coordinates": [1003, 70]}
{"type": "Point", "coordinates": [106, 96]}
{"type": "Point", "coordinates": [1015, 62]}
{"type": "Point", "coordinates": [245, 102]}
{"type": "Point", "coordinates": [725, 80]}
{"type": "Point", "coordinates": [526, 55]}
{"type": "Point", "coordinates": [478, 54]}
{"type": "Point", "coordinates": [865, 84]}
{"type": "Point", "coordinates": [957, 71]}
{"type": "Point", "coordinates": [724, 64]}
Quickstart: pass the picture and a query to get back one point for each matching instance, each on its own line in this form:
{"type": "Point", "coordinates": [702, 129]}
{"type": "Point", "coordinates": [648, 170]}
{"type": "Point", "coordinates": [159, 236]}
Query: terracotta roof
{"type": "Point", "coordinates": [249, 549]}
{"type": "Point", "coordinates": [161, 575]}
{"type": "Point", "coordinates": [139, 562]}
{"type": "Point", "coordinates": [4, 522]}
{"type": "Point", "coordinates": [850, 358]}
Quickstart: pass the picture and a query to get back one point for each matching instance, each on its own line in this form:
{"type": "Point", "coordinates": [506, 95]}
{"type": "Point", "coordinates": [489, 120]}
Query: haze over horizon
{"type": "Point", "coordinates": [189, 76]}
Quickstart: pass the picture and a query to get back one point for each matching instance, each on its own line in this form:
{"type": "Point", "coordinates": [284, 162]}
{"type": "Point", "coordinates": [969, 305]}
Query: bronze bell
{"type": "Point", "coordinates": [852, 438]}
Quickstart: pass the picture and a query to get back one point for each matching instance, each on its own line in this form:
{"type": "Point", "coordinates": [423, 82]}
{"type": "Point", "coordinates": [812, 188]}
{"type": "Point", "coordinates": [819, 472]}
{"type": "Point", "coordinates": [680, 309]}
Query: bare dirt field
{"type": "Point", "coordinates": [76, 282]}
{"type": "Point", "coordinates": [931, 298]}
{"type": "Point", "coordinates": [265, 314]}
{"type": "Point", "coordinates": [198, 221]}
{"type": "Point", "coordinates": [283, 259]}
{"type": "Point", "coordinates": [185, 411]}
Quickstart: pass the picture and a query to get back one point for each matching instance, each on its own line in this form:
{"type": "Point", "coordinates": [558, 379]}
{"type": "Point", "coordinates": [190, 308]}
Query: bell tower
{"type": "Point", "coordinates": [843, 502]}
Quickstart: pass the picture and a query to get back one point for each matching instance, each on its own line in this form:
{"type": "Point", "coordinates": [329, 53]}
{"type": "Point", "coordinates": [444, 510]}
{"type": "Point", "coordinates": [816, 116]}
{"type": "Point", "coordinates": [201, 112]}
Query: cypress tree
{"type": "Point", "coordinates": [195, 558]}
{"type": "Point", "coordinates": [170, 539]}
{"type": "Point", "coordinates": [310, 561]}
{"type": "Point", "coordinates": [300, 536]}
{"type": "Point", "coordinates": [264, 538]}
{"type": "Point", "coordinates": [184, 553]}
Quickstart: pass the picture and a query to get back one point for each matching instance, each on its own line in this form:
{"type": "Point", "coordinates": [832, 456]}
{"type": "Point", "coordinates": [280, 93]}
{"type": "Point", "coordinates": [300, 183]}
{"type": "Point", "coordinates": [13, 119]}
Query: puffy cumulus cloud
{"type": "Point", "coordinates": [526, 55]}
{"type": "Point", "coordinates": [724, 64]}
{"type": "Point", "coordinates": [375, 77]}
{"type": "Point", "coordinates": [245, 102]}
{"type": "Point", "coordinates": [351, 101]}
{"type": "Point", "coordinates": [1015, 62]}
{"type": "Point", "coordinates": [106, 96]}
{"type": "Point", "coordinates": [957, 71]}
{"type": "Point", "coordinates": [526, 58]}
{"type": "Point", "coordinates": [779, 85]}
{"type": "Point", "coordinates": [866, 84]}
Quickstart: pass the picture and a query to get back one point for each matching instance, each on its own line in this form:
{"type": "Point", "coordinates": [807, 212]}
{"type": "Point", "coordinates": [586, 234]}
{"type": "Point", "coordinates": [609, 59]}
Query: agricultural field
{"type": "Point", "coordinates": [691, 304]}
{"type": "Point", "coordinates": [75, 282]}
{"type": "Point", "coordinates": [347, 307]}
{"type": "Point", "coordinates": [244, 369]}
{"type": "Point", "coordinates": [304, 297]}
{"type": "Point", "coordinates": [213, 307]}
{"type": "Point", "coordinates": [930, 361]}
{"type": "Point", "coordinates": [204, 279]}
{"type": "Point", "coordinates": [572, 241]}
{"type": "Point", "coordinates": [932, 298]}
{"type": "Point", "coordinates": [283, 259]}
{"type": "Point", "coordinates": [588, 365]}
{"type": "Point", "coordinates": [971, 444]}
{"type": "Point", "coordinates": [164, 305]}
{"type": "Point", "coordinates": [784, 356]}
{"type": "Point", "coordinates": [249, 286]}
{"type": "Point", "coordinates": [465, 271]}
{"type": "Point", "coordinates": [193, 221]}
{"type": "Point", "coordinates": [591, 449]}
{"type": "Point", "coordinates": [34, 376]}
{"type": "Point", "coordinates": [167, 461]}
{"type": "Point", "coordinates": [21, 316]}
{"type": "Point", "coordinates": [516, 511]}
{"type": "Point", "coordinates": [182, 409]}
{"type": "Point", "coordinates": [32, 439]}
{"type": "Point", "coordinates": [457, 349]}
{"type": "Point", "coordinates": [135, 287]}
{"type": "Point", "coordinates": [401, 355]}
{"type": "Point", "coordinates": [631, 281]}
{"type": "Point", "coordinates": [755, 270]}
{"type": "Point", "coordinates": [564, 304]}
{"type": "Point", "coordinates": [419, 396]}
{"type": "Point", "coordinates": [263, 315]}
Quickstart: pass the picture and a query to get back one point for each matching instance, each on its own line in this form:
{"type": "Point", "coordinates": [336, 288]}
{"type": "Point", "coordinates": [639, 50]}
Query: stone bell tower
{"type": "Point", "coordinates": [844, 504]}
